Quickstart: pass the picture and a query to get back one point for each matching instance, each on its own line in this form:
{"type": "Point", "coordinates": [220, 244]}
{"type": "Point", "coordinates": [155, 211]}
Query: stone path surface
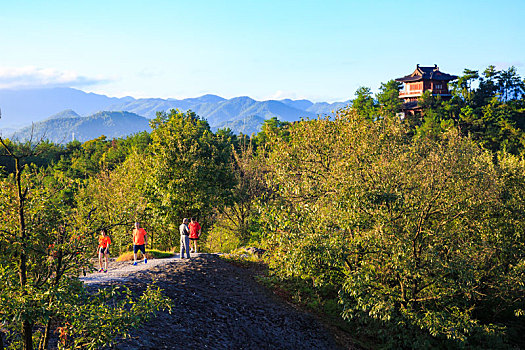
{"type": "Point", "coordinates": [216, 305]}
{"type": "Point", "coordinates": [123, 271]}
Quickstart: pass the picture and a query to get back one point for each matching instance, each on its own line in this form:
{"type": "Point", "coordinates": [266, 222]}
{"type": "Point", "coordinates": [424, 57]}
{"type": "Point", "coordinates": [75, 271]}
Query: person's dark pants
{"type": "Point", "coordinates": [184, 245]}
{"type": "Point", "coordinates": [137, 247]}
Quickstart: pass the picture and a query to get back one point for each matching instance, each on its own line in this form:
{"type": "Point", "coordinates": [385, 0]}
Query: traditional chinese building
{"type": "Point", "coordinates": [421, 80]}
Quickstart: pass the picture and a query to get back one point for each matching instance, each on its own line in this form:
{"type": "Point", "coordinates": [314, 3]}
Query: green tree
{"type": "Point", "coordinates": [388, 97]}
{"type": "Point", "coordinates": [189, 173]}
{"type": "Point", "coordinates": [116, 199]}
{"type": "Point", "coordinates": [364, 102]}
{"type": "Point", "coordinates": [464, 85]}
{"type": "Point", "coordinates": [239, 219]}
{"type": "Point", "coordinates": [41, 244]}
{"type": "Point", "coordinates": [269, 128]}
{"type": "Point", "coordinates": [42, 154]}
{"type": "Point", "coordinates": [511, 87]}
{"type": "Point", "coordinates": [436, 119]}
{"type": "Point", "coordinates": [488, 86]}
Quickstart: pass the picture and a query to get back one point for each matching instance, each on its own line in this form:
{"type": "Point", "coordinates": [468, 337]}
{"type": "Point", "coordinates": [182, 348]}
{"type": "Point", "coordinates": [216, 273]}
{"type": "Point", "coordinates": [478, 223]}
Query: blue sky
{"type": "Point", "coordinates": [320, 50]}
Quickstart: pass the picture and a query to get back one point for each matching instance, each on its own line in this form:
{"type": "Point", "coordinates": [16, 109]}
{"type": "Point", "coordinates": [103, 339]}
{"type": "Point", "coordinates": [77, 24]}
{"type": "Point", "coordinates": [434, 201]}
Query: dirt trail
{"type": "Point", "coordinates": [216, 306]}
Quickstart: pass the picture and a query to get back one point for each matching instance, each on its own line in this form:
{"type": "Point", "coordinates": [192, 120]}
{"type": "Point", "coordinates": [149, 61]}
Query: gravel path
{"type": "Point", "coordinates": [216, 306]}
{"type": "Point", "coordinates": [124, 271]}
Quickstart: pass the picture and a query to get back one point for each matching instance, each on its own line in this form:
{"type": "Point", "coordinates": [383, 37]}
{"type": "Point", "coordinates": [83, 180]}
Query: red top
{"type": "Point", "coordinates": [194, 229]}
{"type": "Point", "coordinates": [138, 236]}
{"type": "Point", "coordinates": [104, 241]}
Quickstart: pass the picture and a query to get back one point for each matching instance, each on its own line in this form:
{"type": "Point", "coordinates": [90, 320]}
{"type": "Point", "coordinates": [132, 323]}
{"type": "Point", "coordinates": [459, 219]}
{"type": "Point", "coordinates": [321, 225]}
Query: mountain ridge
{"type": "Point", "coordinates": [64, 129]}
{"type": "Point", "coordinates": [218, 111]}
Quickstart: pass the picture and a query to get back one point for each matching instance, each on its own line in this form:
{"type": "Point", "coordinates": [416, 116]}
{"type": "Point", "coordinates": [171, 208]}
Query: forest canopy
{"type": "Point", "coordinates": [415, 223]}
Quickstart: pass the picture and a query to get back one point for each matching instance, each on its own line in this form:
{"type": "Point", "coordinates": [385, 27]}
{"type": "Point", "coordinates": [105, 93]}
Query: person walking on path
{"type": "Point", "coordinates": [140, 239]}
{"type": "Point", "coordinates": [184, 238]}
{"type": "Point", "coordinates": [103, 250]}
{"type": "Point", "coordinates": [195, 232]}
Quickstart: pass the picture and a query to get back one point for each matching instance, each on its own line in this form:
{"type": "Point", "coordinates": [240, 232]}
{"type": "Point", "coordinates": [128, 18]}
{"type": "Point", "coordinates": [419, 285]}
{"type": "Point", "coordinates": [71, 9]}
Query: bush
{"type": "Point", "coordinates": [221, 240]}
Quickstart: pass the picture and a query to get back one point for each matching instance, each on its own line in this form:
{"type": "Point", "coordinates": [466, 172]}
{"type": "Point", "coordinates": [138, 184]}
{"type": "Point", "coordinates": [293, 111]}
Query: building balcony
{"type": "Point", "coordinates": [418, 93]}
{"type": "Point", "coordinates": [412, 93]}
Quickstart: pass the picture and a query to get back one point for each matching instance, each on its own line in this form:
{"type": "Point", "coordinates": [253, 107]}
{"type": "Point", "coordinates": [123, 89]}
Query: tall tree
{"type": "Point", "coordinates": [388, 97]}
{"type": "Point", "coordinates": [239, 218]}
{"type": "Point", "coordinates": [364, 103]}
{"type": "Point", "coordinates": [510, 85]}
{"type": "Point", "coordinates": [464, 85]}
{"type": "Point", "coordinates": [189, 171]}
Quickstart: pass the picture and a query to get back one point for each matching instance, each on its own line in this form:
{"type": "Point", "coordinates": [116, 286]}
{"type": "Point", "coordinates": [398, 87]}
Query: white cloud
{"type": "Point", "coordinates": [31, 76]}
{"type": "Point", "coordinates": [506, 65]}
{"type": "Point", "coordinates": [281, 95]}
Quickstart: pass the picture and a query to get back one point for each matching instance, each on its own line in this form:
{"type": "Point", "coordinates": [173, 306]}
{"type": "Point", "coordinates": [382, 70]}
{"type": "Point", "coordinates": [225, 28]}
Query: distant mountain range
{"type": "Point", "coordinates": [68, 125]}
{"type": "Point", "coordinates": [73, 110]}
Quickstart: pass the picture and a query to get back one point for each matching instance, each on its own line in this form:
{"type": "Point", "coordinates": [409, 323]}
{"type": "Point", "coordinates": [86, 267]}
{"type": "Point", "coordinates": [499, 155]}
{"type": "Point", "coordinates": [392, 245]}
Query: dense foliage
{"type": "Point", "coordinates": [417, 222]}
{"type": "Point", "coordinates": [414, 225]}
{"type": "Point", "coordinates": [415, 232]}
{"type": "Point", "coordinates": [46, 242]}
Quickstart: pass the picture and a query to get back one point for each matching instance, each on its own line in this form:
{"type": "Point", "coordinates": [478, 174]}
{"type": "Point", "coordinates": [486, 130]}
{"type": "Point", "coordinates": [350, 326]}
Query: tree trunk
{"type": "Point", "coordinates": [27, 327]}
{"type": "Point", "coordinates": [58, 275]}
{"type": "Point", "coordinates": [44, 343]}
{"type": "Point", "coordinates": [27, 335]}
{"type": "Point", "coordinates": [22, 270]}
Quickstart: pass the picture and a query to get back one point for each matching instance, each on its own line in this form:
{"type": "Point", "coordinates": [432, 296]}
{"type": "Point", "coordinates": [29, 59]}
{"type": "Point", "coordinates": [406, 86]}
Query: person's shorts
{"type": "Point", "coordinates": [138, 247]}
{"type": "Point", "coordinates": [194, 239]}
{"type": "Point", "coordinates": [103, 250]}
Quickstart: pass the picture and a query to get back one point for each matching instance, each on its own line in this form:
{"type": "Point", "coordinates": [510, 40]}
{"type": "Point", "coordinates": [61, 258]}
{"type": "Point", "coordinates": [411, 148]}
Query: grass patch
{"type": "Point", "coordinates": [158, 254]}
{"type": "Point", "coordinates": [244, 258]}
{"type": "Point", "coordinates": [246, 262]}
{"type": "Point", "coordinates": [150, 254]}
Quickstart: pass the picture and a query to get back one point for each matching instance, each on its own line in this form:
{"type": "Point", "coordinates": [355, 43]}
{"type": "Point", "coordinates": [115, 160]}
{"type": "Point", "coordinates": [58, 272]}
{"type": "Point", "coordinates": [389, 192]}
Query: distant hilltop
{"type": "Point", "coordinates": [243, 114]}
{"type": "Point", "coordinates": [67, 126]}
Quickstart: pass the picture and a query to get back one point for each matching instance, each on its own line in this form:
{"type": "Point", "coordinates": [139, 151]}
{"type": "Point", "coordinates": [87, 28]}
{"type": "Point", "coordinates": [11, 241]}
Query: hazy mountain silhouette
{"type": "Point", "coordinates": [68, 113]}
{"type": "Point", "coordinates": [247, 126]}
{"type": "Point", "coordinates": [22, 107]}
{"type": "Point", "coordinates": [67, 125]}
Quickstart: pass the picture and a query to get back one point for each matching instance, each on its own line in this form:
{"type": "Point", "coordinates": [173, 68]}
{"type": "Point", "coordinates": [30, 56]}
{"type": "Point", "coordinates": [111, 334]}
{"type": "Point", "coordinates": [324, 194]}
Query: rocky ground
{"type": "Point", "coordinates": [216, 306]}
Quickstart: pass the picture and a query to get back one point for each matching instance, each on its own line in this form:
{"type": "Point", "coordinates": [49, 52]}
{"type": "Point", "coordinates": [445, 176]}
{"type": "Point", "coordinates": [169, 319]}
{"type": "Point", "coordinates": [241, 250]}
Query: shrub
{"type": "Point", "coordinates": [221, 240]}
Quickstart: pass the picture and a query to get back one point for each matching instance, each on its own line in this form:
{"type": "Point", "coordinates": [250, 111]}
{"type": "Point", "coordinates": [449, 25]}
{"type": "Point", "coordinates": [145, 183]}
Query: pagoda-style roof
{"type": "Point", "coordinates": [427, 73]}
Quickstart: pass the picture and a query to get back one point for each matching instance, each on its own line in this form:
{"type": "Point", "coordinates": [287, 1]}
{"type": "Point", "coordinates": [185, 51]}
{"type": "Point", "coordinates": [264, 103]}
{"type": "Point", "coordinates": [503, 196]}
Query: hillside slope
{"type": "Point", "coordinates": [68, 125]}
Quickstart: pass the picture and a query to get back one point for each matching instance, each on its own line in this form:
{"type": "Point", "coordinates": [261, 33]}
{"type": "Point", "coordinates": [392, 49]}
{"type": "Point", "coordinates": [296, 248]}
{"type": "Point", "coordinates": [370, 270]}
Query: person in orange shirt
{"type": "Point", "coordinates": [140, 239]}
{"type": "Point", "coordinates": [103, 250]}
{"type": "Point", "coordinates": [195, 232]}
